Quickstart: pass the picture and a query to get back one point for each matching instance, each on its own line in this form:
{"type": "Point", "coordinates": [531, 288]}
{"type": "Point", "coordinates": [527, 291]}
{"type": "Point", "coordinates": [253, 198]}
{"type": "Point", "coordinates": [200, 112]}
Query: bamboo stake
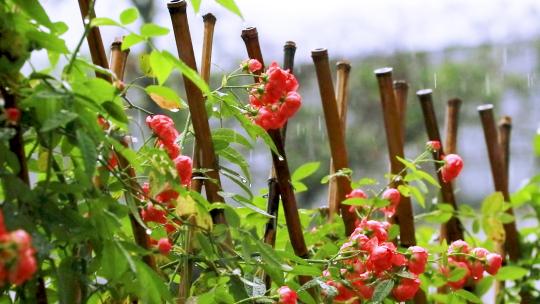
{"type": "Point", "coordinates": [505, 128]}
{"type": "Point", "coordinates": [401, 90]}
{"type": "Point", "coordinates": [335, 136]}
{"type": "Point", "coordinates": [203, 137]}
{"type": "Point", "coordinates": [404, 213]}
{"type": "Point", "coordinates": [342, 96]}
{"type": "Point", "coordinates": [95, 43]}
{"type": "Point", "coordinates": [498, 169]}
{"type": "Point", "coordinates": [206, 62]}
{"type": "Point", "coordinates": [453, 229]}
{"type": "Point", "coordinates": [16, 145]}
{"type": "Point", "coordinates": [272, 208]}
{"type": "Point", "coordinates": [281, 166]}
{"type": "Point", "coordinates": [452, 119]}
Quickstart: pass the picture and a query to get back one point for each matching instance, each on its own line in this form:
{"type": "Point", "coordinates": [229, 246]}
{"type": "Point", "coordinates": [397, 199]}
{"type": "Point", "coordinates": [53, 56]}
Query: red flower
{"type": "Point", "coordinates": [13, 115]}
{"type": "Point", "coordinates": [406, 289]}
{"type": "Point", "coordinates": [452, 167]}
{"type": "Point", "coordinates": [25, 268]}
{"type": "Point", "coordinates": [287, 295]}
{"type": "Point", "coordinates": [376, 229]}
{"type": "Point", "coordinates": [172, 149]}
{"type": "Point", "coordinates": [433, 145]}
{"type": "Point", "coordinates": [151, 214]}
{"type": "Point", "coordinates": [364, 290]}
{"type": "Point", "coordinates": [184, 166]}
{"type": "Point", "coordinates": [292, 103]}
{"type": "Point", "coordinates": [164, 246]}
{"type": "Point", "coordinates": [344, 293]}
{"type": "Point", "coordinates": [494, 262]}
{"type": "Point", "coordinates": [394, 197]}
{"type": "Point", "coordinates": [418, 260]}
{"type": "Point", "coordinates": [380, 258]}
{"type": "Point", "coordinates": [252, 65]}
{"type": "Point", "coordinates": [163, 127]}
{"type": "Point", "coordinates": [458, 246]}
{"type": "Point", "coordinates": [166, 196]}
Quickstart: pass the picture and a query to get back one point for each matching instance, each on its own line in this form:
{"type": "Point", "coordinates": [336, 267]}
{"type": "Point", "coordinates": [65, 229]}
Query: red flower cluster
{"type": "Point", "coordinates": [275, 97]}
{"type": "Point", "coordinates": [17, 261]}
{"type": "Point", "coordinates": [392, 195]}
{"type": "Point", "coordinates": [474, 262]}
{"type": "Point", "coordinates": [452, 167]}
{"type": "Point", "coordinates": [251, 65]}
{"type": "Point", "coordinates": [375, 259]}
{"type": "Point", "coordinates": [287, 295]}
{"type": "Point", "coordinates": [163, 128]}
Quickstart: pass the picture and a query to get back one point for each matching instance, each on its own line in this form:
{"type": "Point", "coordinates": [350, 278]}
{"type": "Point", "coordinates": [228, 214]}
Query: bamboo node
{"type": "Point", "coordinates": [177, 6]}
{"type": "Point", "coordinates": [210, 18]}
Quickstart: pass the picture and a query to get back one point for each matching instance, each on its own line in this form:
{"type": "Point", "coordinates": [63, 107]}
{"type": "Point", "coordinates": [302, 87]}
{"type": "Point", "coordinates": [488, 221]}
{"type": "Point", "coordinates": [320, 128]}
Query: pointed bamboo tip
{"type": "Point", "coordinates": [343, 64]}
{"type": "Point", "coordinates": [485, 108]}
{"type": "Point", "coordinates": [289, 45]}
{"type": "Point", "coordinates": [176, 6]}
{"type": "Point", "coordinates": [400, 84]}
{"type": "Point", "coordinates": [319, 54]}
{"type": "Point", "coordinates": [454, 102]}
{"type": "Point", "coordinates": [209, 18]}
{"type": "Point", "coordinates": [249, 33]}
{"type": "Point", "coordinates": [505, 121]}
{"type": "Point", "coordinates": [383, 71]}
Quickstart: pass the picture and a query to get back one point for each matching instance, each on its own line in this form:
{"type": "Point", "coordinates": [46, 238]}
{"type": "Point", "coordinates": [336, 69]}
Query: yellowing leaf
{"type": "Point", "coordinates": [164, 97]}
{"type": "Point", "coordinates": [186, 207]}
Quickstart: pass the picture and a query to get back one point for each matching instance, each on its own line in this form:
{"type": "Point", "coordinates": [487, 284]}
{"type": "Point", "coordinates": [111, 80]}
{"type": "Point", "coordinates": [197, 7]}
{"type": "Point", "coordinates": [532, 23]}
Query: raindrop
{"type": "Point", "coordinates": [434, 80]}
{"type": "Point", "coordinates": [250, 156]}
{"type": "Point", "coordinates": [505, 56]}
{"type": "Point", "coordinates": [488, 85]}
{"type": "Point", "coordinates": [280, 158]}
{"type": "Point", "coordinates": [243, 179]}
{"type": "Point", "coordinates": [319, 122]}
{"type": "Point", "coordinates": [148, 231]}
{"type": "Point", "coordinates": [297, 130]}
{"type": "Point", "coordinates": [175, 110]}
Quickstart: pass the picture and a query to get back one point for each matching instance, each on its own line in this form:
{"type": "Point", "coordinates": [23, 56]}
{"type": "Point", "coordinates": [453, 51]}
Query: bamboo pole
{"type": "Point", "coordinates": [453, 229]}
{"type": "Point", "coordinates": [505, 128]}
{"type": "Point", "coordinates": [498, 170]}
{"type": "Point", "coordinates": [95, 43]}
{"type": "Point", "coordinates": [401, 91]}
{"type": "Point", "coordinates": [16, 146]}
{"type": "Point", "coordinates": [404, 216]}
{"type": "Point", "coordinates": [281, 166]}
{"type": "Point", "coordinates": [118, 65]}
{"type": "Point", "coordinates": [335, 136]}
{"type": "Point", "coordinates": [206, 62]}
{"type": "Point", "coordinates": [203, 137]}
{"type": "Point", "coordinates": [272, 208]}
{"type": "Point", "coordinates": [452, 119]}
{"type": "Point", "coordinates": [342, 96]}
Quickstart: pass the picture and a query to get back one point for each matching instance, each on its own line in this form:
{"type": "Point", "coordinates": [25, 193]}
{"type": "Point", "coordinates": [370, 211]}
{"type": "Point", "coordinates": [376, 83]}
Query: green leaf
{"type": "Point", "coordinates": [382, 290]}
{"type": "Point", "coordinates": [306, 270]}
{"type": "Point", "coordinates": [188, 72]}
{"type": "Point", "coordinates": [67, 281]}
{"type": "Point", "coordinates": [230, 135]}
{"type": "Point", "coordinates": [58, 120]}
{"type": "Point", "coordinates": [483, 286]}
{"type": "Point", "coordinates": [236, 158]}
{"type": "Point", "coordinates": [231, 6]}
{"type": "Point", "coordinates": [418, 196]}
{"type": "Point", "coordinates": [103, 21]}
{"type": "Point", "coordinates": [48, 41]}
{"type": "Point", "coordinates": [131, 40]}
{"type": "Point", "coordinates": [493, 204]}
{"type": "Point", "coordinates": [151, 30]}
{"type": "Point", "coordinates": [305, 170]}
{"type": "Point", "coordinates": [88, 151]}
{"type": "Point", "coordinates": [356, 201]}
{"type": "Point", "coordinates": [160, 66]}
{"type": "Point", "coordinates": [457, 274]}
{"type": "Point", "coordinates": [116, 111]}
{"type": "Point", "coordinates": [196, 5]}
{"type": "Point", "coordinates": [511, 273]}
{"type": "Point", "coordinates": [404, 190]}
{"type": "Point", "coordinates": [34, 9]}
{"type": "Point", "coordinates": [467, 295]}
{"type": "Point", "coordinates": [407, 163]}
{"type": "Point", "coordinates": [164, 97]}
{"type": "Point", "coordinates": [129, 16]}
{"type": "Point", "coordinates": [113, 263]}
{"type": "Point", "coordinates": [151, 289]}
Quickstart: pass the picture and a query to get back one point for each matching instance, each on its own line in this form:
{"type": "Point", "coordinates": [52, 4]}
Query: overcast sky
{"type": "Point", "coordinates": [348, 28]}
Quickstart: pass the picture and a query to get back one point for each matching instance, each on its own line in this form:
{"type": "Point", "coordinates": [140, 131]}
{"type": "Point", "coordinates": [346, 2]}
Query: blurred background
{"type": "Point", "coordinates": [482, 51]}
